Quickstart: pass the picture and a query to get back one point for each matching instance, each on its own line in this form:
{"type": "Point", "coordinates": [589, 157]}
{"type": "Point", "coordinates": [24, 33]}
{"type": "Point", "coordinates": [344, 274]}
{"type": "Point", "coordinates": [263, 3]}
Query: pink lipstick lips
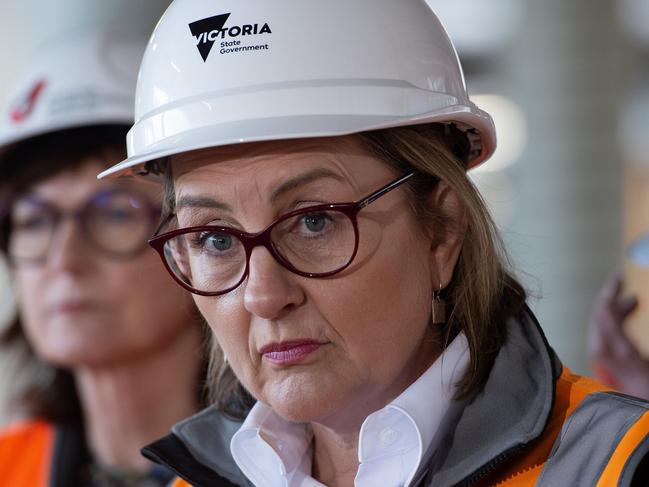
{"type": "Point", "coordinates": [73, 307]}
{"type": "Point", "coordinates": [289, 353]}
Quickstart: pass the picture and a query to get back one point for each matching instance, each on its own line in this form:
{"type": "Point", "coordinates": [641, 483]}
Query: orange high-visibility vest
{"type": "Point", "coordinates": [25, 454]}
{"type": "Point", "coordinates": [571, 390]}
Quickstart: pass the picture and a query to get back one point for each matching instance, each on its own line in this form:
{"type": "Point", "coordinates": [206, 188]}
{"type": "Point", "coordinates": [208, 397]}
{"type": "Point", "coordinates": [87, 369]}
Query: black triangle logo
{"type": "Point", "coordinates": [201, 29]}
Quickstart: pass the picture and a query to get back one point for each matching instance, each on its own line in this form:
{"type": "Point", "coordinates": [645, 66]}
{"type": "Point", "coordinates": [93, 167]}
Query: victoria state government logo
{"type": "Point", "coordinates": [233, 39]}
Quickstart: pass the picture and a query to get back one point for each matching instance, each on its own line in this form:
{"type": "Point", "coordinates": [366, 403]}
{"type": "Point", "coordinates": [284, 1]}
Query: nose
{"type": "Point", "coordinates": [270, 289]}
{"type": "Point", "coordinates": [69, 249]}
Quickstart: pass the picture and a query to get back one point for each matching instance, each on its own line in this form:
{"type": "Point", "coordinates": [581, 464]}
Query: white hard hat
{"type": "Point", "coordinates": [87, 78]}
{"type": "Point", "coordinates": [234, 71]}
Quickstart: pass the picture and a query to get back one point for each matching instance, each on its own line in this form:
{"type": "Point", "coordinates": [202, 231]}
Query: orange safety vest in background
{"type": "Point", "coordinates": [25, 454]}
{"type": "Point", "coordinates": [38, 453]}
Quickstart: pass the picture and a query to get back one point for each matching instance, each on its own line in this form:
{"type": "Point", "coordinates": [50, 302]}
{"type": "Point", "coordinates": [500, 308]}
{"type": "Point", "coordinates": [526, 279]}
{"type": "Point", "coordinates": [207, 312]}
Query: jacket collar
{"type": "Point", "coordinates": [513, 407]}
{"type": "Point", "coordinates": [198, 450]}
{"type": "Point", "coordinates": [70, 455]}
{"type": "Point", "coordinates": [509, 412]}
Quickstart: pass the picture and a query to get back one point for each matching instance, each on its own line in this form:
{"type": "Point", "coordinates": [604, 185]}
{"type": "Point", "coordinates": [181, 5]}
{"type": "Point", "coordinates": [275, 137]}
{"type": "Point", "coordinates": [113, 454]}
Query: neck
{"type": "Point", "coordinates": [335, 456]}
{"type": "Point", "coordinates": [335, 440]}
{"type": "Point", "coordinates": [131, 404]}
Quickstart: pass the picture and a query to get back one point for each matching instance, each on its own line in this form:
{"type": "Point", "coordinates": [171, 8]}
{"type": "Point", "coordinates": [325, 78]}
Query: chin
{"type": "Point", "coordinates": [305, 403]}
{"type": "Point", "coordinates": [74, 357]}
{"type": "Point", "coordinates": [74, 341]}
{"type": "Point", "coordinates": [301, 411]}
{"type": "Point", "coordinates": [76, 350]}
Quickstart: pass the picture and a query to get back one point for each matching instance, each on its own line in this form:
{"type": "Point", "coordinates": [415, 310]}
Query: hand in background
{"type": "Point", "coordinates": [615, 360]}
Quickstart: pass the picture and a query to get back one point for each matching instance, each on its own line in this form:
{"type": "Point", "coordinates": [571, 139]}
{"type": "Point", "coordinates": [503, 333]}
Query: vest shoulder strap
{"type": "Point", "coordinates": [600, 443]}
{"type": "Point", "coordinates": [594, 436]}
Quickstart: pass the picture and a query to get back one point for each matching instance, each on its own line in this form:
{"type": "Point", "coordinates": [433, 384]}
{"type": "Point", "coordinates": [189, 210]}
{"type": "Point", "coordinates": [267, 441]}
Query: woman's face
{"type": "Point", "coordinates": [324, 350]}
{"type": "Point", "coordinates": [81, 307]}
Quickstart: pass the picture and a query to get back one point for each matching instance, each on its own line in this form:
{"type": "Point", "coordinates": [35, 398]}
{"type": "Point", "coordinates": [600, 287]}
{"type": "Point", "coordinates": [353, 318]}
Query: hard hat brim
{"type": "Point", "coordinates": [36, 131]}
{"type": "Point", "coordinates": [300, 127]}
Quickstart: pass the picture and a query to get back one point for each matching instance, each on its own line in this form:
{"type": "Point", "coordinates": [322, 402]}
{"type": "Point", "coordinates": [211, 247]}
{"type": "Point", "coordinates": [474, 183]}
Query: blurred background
{"type": "Point", "coordinates": [568, 86]}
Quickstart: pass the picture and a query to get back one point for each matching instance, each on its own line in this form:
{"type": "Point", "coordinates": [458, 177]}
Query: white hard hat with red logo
{"type": "Point", "coordinates": [82, 70]}
{"type": "Point", "coordinates": [86, 78]}
{"type": "Point", "coordinates": [234, 71]}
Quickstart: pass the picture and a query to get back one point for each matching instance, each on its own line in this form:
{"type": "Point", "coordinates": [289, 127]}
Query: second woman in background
{"type": "Point", "coordinates": [111, 350]}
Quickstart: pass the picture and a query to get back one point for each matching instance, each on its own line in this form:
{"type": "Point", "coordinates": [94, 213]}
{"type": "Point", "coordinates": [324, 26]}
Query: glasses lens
{"type": "Point", "coordinates": [32, 226]}
{"type": "Point", "coordinates": [208, 261]}
{"type": "Point", "coordinates": [316, 242]}
{"type": "Point", "coordinates": [119, 223]}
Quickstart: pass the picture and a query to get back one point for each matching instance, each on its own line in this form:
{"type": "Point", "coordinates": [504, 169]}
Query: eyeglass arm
{"type": "Point", "coordinates": [385, 189]}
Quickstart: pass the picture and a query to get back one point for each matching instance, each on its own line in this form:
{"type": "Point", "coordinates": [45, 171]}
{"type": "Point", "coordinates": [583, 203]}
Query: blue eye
{"type": "Point", "coordinates": [315, 222]}
{"type": "Point", "coordinates": [219, 242]}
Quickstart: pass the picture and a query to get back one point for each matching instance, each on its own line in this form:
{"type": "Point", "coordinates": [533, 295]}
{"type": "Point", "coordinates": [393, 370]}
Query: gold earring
{"type": "Point", "coordinates": [438, 307]}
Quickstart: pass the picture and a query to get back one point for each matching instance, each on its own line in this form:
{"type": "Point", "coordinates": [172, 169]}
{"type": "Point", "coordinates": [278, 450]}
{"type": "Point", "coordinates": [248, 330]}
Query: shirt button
{"type": "Point", "coordinates": [388, 437]}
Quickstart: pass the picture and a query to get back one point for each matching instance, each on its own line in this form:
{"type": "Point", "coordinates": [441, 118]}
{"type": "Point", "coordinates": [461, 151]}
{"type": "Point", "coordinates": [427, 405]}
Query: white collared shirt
{"type": "Point", "coordinates": [273, 452]}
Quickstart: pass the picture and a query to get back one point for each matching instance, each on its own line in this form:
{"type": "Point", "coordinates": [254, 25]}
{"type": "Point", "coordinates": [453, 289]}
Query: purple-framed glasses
{"type": "Point", "coordinates": [115, 222]}
{"type": "Point", "coordinates": [318, 241]}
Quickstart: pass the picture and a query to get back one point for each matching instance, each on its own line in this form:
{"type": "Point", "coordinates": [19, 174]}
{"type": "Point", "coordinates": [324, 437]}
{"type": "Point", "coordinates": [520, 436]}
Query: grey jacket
{"type": "Point", "coordinates": [496, 426]}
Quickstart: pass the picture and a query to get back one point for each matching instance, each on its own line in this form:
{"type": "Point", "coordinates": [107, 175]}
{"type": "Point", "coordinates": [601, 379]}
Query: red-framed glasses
{"type": "Point", "coordinates": [318, 241]}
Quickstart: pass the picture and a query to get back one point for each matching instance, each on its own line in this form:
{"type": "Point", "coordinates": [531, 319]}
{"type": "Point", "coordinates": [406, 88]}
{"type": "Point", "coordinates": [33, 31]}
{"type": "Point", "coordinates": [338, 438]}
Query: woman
{"type": "Point", "coordinates": [319, 210]}
{"type": "Point", "coordinates": [102, 336]}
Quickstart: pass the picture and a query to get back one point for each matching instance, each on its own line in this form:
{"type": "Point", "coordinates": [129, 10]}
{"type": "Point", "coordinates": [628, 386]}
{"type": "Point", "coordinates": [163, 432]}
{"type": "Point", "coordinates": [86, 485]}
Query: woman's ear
{"type": "Point", "coordinates": [447, 237]}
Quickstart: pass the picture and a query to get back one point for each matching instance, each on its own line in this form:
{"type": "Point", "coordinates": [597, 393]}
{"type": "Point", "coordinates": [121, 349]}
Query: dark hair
{"type": "Point", "coordinates": [482, 294]}
{"type": "Point", "coordinates": [42, 390]}
{"type": "Point", "coordinates": [45, 391]}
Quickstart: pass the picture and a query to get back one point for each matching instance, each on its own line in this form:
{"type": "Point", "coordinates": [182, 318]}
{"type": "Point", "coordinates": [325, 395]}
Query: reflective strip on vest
{"type": "Point", "coordinates": [596, 442]}
{"type": "Point", "coordinates": [617, 471]}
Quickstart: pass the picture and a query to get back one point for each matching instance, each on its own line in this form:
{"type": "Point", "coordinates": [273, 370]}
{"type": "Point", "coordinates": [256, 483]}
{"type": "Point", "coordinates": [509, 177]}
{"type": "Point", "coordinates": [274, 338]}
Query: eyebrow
{"type": "Point", "coordinates": [320, 173]}
{"type": "Point", "coordinates": [209, 203]}
{"type": "Point", "coordinates": [201, 202]}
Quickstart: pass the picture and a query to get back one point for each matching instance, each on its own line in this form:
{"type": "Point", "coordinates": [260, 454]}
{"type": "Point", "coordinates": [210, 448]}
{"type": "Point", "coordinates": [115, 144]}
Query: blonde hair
{"type": "Point", "coordinates": [483, 293]}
